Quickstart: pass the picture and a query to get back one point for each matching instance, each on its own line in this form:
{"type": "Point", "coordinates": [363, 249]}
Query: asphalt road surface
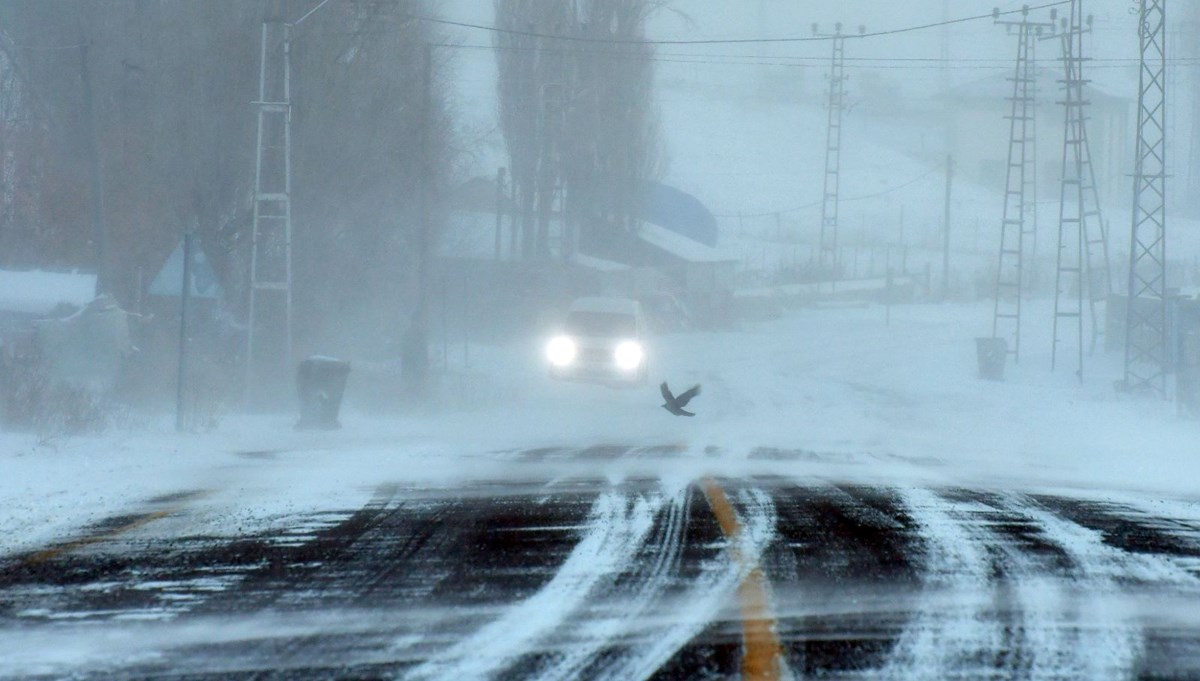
{"type": "Point", "coordinates": [633, 579]}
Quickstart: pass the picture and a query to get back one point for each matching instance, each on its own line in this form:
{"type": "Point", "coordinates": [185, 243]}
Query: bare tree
{"type": "Point", "coordinates": [576, 107]}
{"type": "Point", "coordinates": [22, 136]}
{"type": "Point", "coordinates": [173, 84]}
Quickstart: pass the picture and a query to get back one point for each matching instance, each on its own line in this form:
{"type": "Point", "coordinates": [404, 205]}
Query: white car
{"type": "Point", "coordinates": [602, 341]}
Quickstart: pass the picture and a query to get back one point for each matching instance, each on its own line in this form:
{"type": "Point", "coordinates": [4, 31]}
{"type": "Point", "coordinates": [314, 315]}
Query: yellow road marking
{"type": "Point", "coordinates": [761, 647]}
{"type": "Point", "coordinates": [56, 551]}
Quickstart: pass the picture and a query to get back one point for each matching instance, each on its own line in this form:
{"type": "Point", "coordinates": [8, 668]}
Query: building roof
{"type": "Point", "coordinates": [599, 264]}
{"type": "Point", "coordinates": [678, 211]}
{"type": "Point", "coordinates": [35, 292]}
{"type": "Point", "coordinates": [680, 246]}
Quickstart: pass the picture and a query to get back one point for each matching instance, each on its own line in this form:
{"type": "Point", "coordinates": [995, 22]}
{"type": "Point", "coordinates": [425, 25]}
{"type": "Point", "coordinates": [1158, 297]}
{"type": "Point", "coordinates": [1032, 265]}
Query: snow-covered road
{"type": "Point", "coordinates": [850, 501]}
{"type": "Point", "coordinates": [630, 579]}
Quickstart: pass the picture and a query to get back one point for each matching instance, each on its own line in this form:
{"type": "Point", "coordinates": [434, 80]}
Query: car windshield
{"type": "Point", "coordinates": [607, 324]}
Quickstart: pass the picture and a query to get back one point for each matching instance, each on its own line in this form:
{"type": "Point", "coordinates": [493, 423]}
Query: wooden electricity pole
{"type": "Point", "coordinates": [95, 172]}
{"type": "Point", "coordinates": [414, 366]}
{"type": "Point", "coordinates": [946, 230]}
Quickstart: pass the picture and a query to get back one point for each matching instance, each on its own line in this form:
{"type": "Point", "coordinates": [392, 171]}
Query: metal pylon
{"type": "Point", "coordinates": [833, 151]}
{"type": "Point", "coordinates": [1082, 269]}
{"type": "Point", "coordinates": [269, 330]}
{"type": "Point", "coordinates": [1146, 306]}
{"type": "Point", "coordinates": [1030, 227]}
{"type": "Point", "coordinates": [1016, 225]}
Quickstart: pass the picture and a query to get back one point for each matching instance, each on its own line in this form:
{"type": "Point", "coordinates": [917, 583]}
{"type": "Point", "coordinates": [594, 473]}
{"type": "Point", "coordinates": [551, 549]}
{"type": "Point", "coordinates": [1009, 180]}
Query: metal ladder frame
{"type": "Point", "coordinates": [272, 196]}
{"type": "Point", "coordinates": [833, 153]}
{"type": "Point", "coordinates": [1081, 232]}
{"type": "Point", "coordinates": [1014, 224]}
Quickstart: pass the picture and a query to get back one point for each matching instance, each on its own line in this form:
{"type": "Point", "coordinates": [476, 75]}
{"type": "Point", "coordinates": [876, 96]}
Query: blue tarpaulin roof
{"type": "Point", "coordinates": [679, 212]}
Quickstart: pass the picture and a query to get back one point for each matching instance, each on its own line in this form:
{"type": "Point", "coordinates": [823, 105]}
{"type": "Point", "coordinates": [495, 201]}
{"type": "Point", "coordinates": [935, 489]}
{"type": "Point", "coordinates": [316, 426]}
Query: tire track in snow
{"type": "Point", "coordinates": [617, 527]}
{"type": "Point", "coordinates": [1106, 635]}
{"type": "Point", "coordinates": [604, 625]}
{"type": "Point", "coordinates": [1032, 591]}
{"type": "Point", "coordinates": [954, 633]}
{"type": "Point", "coordinates": [996, 609]}
{"type": "Point", "coordinates": [1024, 608]}
{"type": "Point", "coordinates": [705, 597]}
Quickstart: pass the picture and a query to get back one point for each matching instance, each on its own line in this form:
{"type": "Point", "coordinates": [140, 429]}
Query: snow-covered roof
{"type": "Point", "coordinates": [37, 293]}
{"type": "Point", "coordinates": [598, 264]}
{"type": "Point", "coordinates": [680, 246]}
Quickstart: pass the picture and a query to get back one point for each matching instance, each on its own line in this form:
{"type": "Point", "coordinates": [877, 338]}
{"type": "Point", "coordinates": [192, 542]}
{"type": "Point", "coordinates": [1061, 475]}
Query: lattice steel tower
{"type": "Point", "coordinates": [269, 331]}
{"type": "Point", "coordinates": [1082, 266]}
{"type": "Point", "coordinates": [833, 149]}
{"type": "Point", "coordinates": [1146, 306]}
{"type": "Point", "coordinates": [1017, 226]}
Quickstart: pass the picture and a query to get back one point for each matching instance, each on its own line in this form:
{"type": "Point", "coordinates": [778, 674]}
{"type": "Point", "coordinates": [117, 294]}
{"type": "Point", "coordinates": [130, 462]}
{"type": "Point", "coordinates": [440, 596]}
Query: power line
{"type": "Point", "coordinates": [864, 63]}
{"type": "Point", "coordinates": [725, 41]}
{"type": "Point", "coordinates": [310, 13]}
{"type": "Point", "coordinates": [48, 48]}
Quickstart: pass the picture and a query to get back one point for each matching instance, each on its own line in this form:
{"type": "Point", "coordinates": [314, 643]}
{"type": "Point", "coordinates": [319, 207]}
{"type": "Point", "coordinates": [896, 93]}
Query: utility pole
{"type": "Point", "coordinates": [269, 330]}
{"type": "Point", "coordinates": [950, 137]}
{"type": "Point", "coordinates": [946, 230]}
{"type": "Point", "coordinates": [828, 245]}
{"type": "Point", "coordinates": [1030, 215]}
{"type": "Point", "coordinates": [514, 227]}
{"type": "Point", "coordinates": [1082, 257]}
{"type": "Point", "coordinates": [1193, 178]}
{"type": "Point", "coordinates": [1018, 220]}
{"type": "Point", "coordinates": [1146, 305]}
{"type": "Point", "coordinates": [269, 321]}
{"type": "Point", "coordinates": [185, 294]}
{"type": "Point", "coordinates": [414, 366]}
{"type": "Point", "coordinates": [95, 171]}
{"type": "Point", "coordinates": [549, 162]}
{"type": "Point", "coordinates": [499, 210]}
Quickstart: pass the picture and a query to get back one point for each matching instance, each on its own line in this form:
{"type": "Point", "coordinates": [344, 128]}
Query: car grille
{"type": "Point", "coordinates": [595, 355]}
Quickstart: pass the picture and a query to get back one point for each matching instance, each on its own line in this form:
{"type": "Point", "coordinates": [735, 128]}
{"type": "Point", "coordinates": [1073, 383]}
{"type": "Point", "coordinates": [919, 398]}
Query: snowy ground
{"type": "Point", "coordinates": [986, 478]}
{"type": "Point", "coordinates": [876, 402]}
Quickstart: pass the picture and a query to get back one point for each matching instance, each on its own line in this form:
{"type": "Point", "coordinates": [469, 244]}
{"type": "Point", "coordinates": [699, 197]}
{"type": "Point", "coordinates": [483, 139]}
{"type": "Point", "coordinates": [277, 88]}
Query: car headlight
{"type": "Point", "coordinates": [628, 355]}
{"type": "Point", "coordinates": [561, 351]}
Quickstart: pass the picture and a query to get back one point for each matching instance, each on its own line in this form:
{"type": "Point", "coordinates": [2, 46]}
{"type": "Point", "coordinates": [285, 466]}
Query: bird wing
{"type": "Point", "coordinates": [686, 397]}
{"type": "Point", "coordinates": [666, 393]}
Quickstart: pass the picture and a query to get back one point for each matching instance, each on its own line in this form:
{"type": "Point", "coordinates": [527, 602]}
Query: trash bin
{"type": "Point", "coordinates": [992, 354]}
{"type": "Point", "coordinates": [320, 382]}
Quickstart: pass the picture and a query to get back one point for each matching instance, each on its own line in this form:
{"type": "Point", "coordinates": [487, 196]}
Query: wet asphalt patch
{"type": "Point", "coordinates": [839, 540]}
{"type": "Point", "coordinates": [1127, 529]}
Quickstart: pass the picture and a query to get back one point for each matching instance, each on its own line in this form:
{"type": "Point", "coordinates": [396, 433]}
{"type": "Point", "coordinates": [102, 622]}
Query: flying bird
{"type": "Point", "coordinates": [675, 404]}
